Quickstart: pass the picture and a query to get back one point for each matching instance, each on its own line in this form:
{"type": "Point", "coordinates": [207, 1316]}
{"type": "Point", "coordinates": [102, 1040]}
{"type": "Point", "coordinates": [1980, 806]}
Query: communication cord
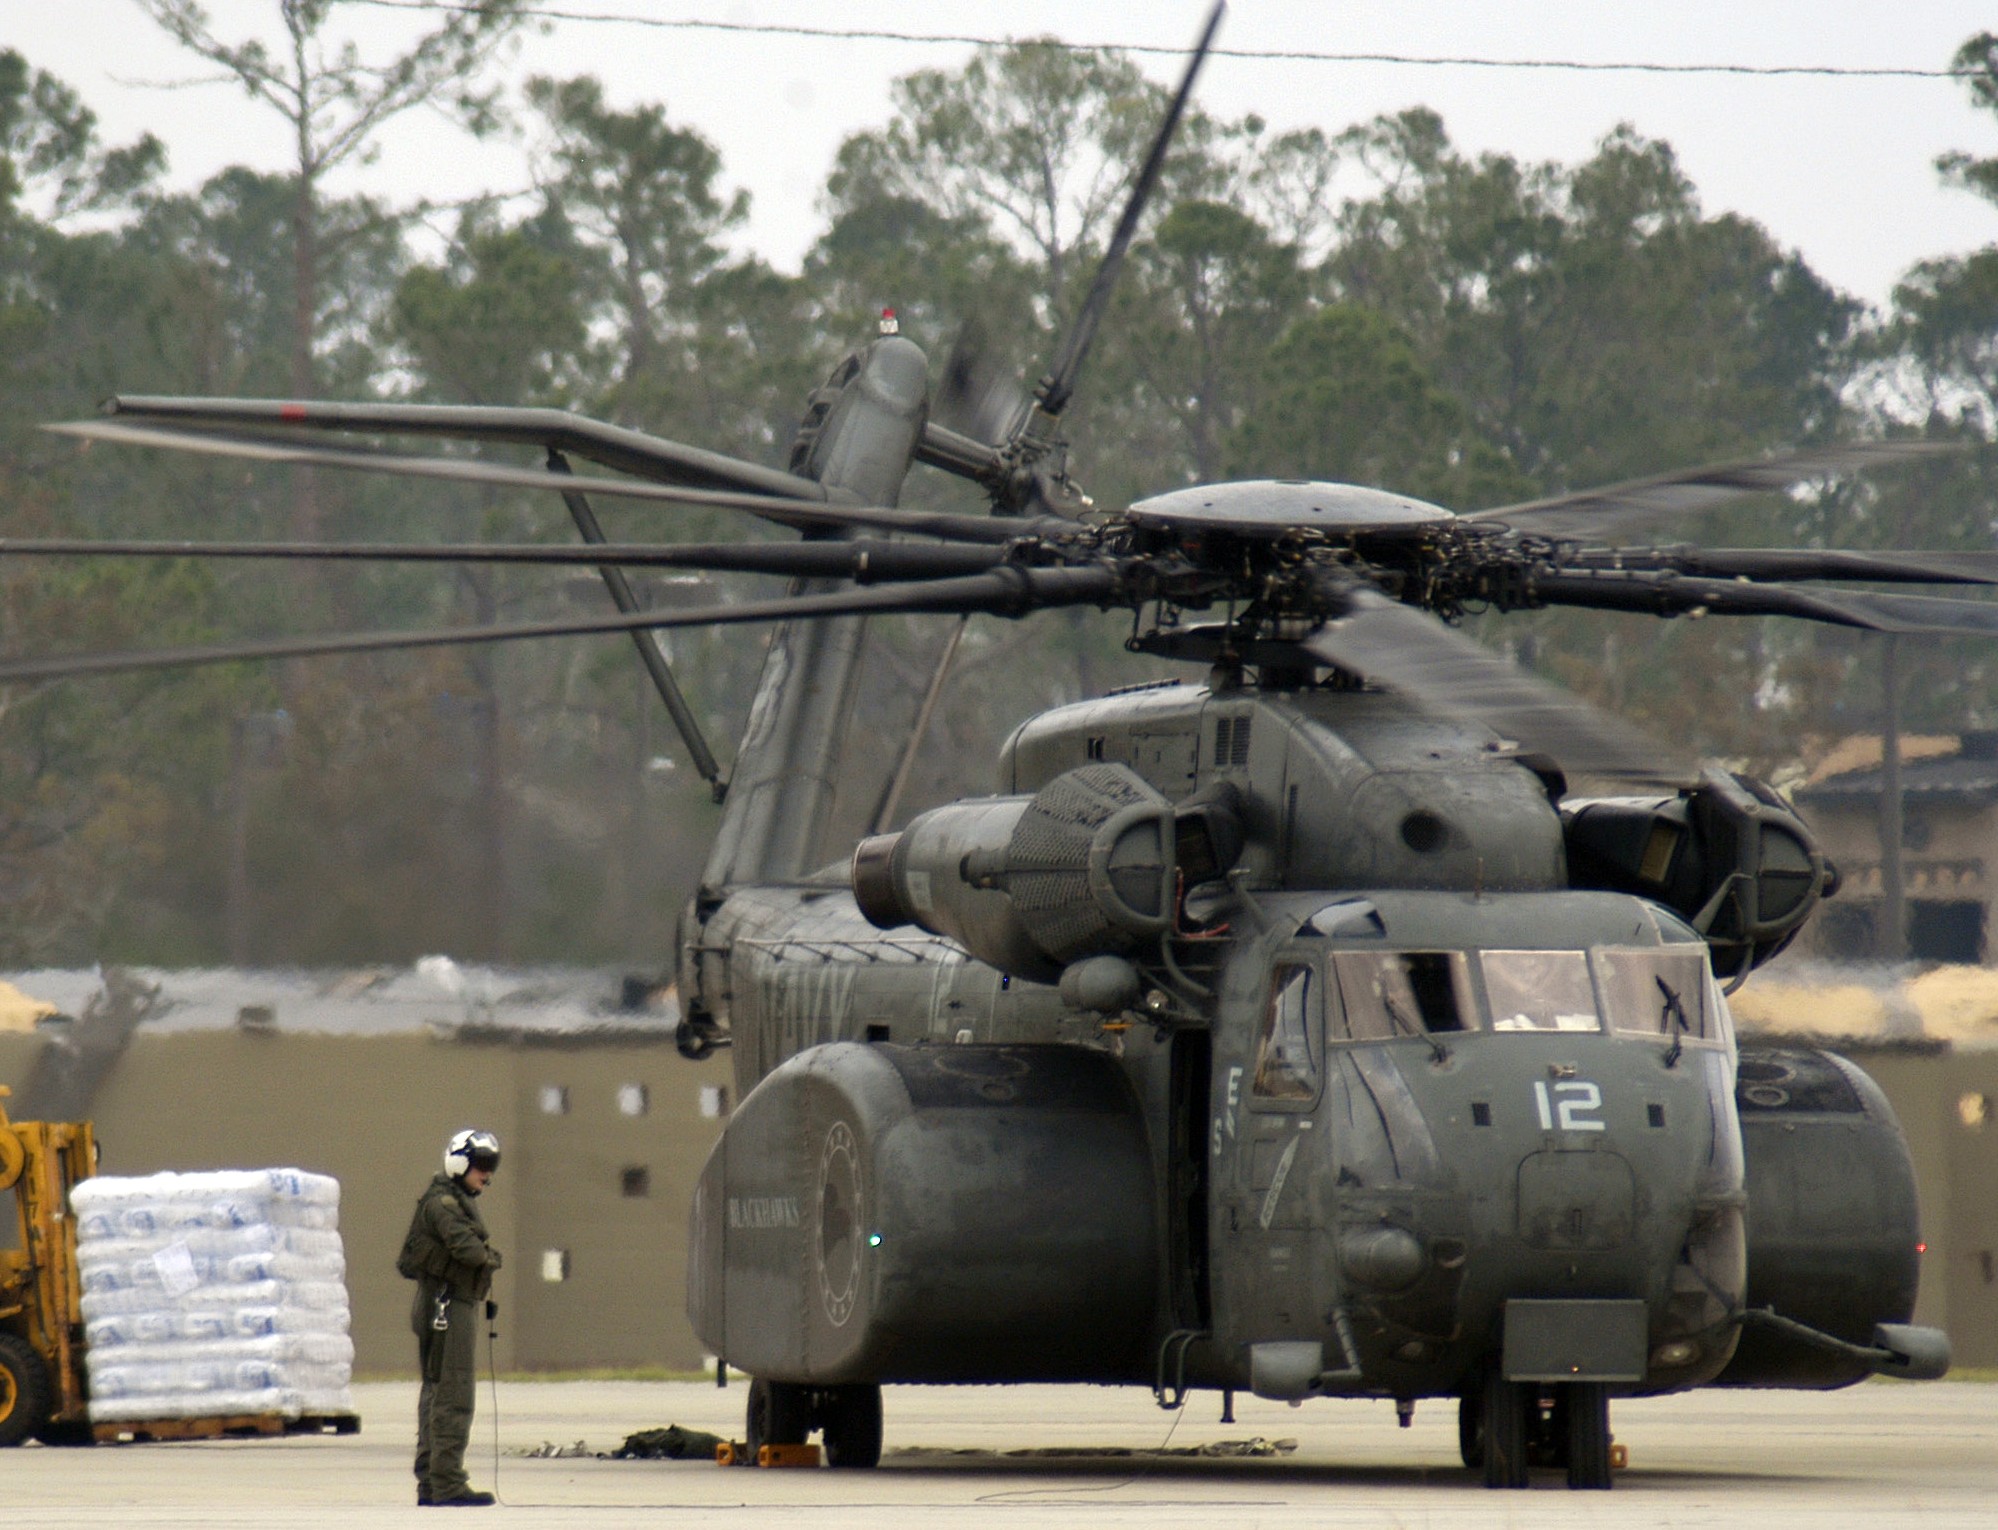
{"type": "Point", "coordinates": [492, 1381]}
{"type": "Point", "coordinates": [1144, 1471]}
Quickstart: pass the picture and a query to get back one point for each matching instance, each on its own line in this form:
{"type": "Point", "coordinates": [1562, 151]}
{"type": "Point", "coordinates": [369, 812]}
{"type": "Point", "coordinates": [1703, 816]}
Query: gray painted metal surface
{"type": "Point", "coordinates": [788, 767]}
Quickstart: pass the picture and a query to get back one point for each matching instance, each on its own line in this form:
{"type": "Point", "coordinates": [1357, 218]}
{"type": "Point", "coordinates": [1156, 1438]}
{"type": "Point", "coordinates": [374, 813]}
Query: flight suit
{"type": "Point", "coordinates": [451, 1258]}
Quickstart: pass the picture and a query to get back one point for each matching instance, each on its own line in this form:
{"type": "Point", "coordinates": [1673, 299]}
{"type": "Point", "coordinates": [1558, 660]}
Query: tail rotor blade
{"type": "Point", "coordinates": [977, 394]}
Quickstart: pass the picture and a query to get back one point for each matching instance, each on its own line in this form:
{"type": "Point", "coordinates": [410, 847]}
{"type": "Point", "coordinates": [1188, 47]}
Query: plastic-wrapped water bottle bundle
{"type": "Point", "coordinates": [214, 1294]}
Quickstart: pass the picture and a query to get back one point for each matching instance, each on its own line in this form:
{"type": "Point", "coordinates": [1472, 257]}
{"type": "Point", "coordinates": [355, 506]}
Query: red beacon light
{"type": "Point", "coordinates": [890, 325]}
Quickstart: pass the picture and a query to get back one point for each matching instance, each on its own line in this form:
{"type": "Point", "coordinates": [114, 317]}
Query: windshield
{"type": "Point", "coordinates": [1665, 993]}
{"type": "Point", "coordinates": [1539, 991]}
{"type": "Point", "coordinates": [1658, 993]}
{"type": "Point", "coordinates": [1286, 1068]}
{"type": "Point", "coordinates": [1403, 993]}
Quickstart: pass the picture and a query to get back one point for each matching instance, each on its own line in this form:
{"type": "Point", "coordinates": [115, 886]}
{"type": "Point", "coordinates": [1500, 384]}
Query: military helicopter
{"type": "Point", "coordinates": [1292, 1028]}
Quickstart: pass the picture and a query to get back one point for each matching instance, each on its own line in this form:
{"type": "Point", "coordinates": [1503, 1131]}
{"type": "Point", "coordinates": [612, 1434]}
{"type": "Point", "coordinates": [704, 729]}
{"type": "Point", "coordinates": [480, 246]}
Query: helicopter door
{"type": "Point", "coordinates": [1188, 1219]}
{"type": "Point", "coordinates": [1272, 1207]}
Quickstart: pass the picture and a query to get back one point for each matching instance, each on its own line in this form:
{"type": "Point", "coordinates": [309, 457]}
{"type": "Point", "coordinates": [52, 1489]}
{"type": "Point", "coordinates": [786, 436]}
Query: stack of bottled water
{"type": "Point", "coordinates": [214, 1294]}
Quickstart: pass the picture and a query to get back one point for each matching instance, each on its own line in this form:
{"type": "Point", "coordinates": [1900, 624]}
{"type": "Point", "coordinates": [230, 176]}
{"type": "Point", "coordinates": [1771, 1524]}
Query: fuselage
{"type": "Point", "coordinates": [1367, 1093]}
{"type": "Point", "coordinates": [1401, 1110]}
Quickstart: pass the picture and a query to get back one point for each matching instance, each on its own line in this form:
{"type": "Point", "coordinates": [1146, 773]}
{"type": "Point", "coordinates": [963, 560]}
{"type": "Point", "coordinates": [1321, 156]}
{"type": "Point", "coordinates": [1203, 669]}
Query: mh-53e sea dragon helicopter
{"type": "Point", "coordinates": [1288, 1029]}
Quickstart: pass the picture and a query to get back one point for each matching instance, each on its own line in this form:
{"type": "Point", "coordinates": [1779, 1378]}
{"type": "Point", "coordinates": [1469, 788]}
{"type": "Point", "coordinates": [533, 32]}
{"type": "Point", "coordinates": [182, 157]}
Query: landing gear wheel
{"type": "Point", "coordinates": [779, 1414]}
{"type": "Point", "coordinates": [1588, 1434]}
{"type": "Point", "coordinates": [24, 1390]}
{"type": "Point", "coordinates": [851, 1419]}
{"type": "Point", "coordinates": [1547, 1427]}
{"type": "Point", "coordinates": [1506, 1404]}
{"type": "Point", "coordinates": [1471, 1428]}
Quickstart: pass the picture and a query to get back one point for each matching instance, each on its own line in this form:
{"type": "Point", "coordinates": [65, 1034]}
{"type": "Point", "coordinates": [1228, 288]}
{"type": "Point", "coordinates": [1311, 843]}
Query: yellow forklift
{"type": "Point", "coordinates": [42, 1389]}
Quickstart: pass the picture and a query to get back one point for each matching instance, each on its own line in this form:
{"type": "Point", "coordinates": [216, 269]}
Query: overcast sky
{"type": "Point", "coordinates": [1839, 168]}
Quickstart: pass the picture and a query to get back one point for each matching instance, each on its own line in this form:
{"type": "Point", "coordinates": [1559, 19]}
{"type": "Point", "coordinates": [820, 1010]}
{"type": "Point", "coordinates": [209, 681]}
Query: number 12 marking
{"type": "Point", "coordinates": [1580, 1101]}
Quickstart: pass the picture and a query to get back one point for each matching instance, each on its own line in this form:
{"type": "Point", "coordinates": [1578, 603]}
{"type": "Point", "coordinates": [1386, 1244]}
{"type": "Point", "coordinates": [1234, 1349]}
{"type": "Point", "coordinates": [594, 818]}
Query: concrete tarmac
{"type": "Point", "coordinates": [1883, 1455]}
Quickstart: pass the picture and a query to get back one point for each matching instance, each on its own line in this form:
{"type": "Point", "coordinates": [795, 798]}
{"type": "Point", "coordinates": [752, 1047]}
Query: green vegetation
{"type": "Point", "coordinates": [1473, 329]}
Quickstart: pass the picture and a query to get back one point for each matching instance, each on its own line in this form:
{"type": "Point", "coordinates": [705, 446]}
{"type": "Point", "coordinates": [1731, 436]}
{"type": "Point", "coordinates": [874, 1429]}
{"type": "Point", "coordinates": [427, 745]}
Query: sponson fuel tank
{"type": "Point", "coordinates": [1833, 1227]}
{"type": "Point", "coordinates": [930, 1213]}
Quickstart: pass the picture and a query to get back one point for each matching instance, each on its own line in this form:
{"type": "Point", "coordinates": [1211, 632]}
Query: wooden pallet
{"type": "Point", "coordinates": [239, 1426]}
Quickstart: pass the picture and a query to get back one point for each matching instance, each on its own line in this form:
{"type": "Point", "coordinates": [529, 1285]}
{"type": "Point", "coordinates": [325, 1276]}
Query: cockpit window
{"type": "Point", "coordinates": [1539, 991]}
{"type": "Point", "coordinates": [1658, 993]}
{"type": "Point", "coordinates": [1286, 1060]}
{"type": "Point", "coordinates": [1402, 993]}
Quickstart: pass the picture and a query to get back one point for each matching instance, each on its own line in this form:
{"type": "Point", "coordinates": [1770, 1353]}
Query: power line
{"type": "Point", "coordinates": [1281, 55]}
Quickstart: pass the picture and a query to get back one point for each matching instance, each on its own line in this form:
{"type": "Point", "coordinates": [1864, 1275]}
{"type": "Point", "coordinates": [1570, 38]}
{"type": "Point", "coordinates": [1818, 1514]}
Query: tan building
{"type": "Point", "coordinates": [603, 1127]}
{"type": "Point", "coordinates": [1949, 845]}
{"type": "Point", "coordinates": [1947, 1100]}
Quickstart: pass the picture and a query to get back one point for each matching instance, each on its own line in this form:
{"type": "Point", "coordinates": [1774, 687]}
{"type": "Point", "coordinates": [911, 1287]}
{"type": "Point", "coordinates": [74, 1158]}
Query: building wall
{"type": "Point", "coordinates": [1956, 862]}
{"type": "Point", "coordinates": [624, 1301]}
{"type": "Point", "coordinates": [1948, 1106]}
{"type": "Point", "coordinates": [375, 1112]}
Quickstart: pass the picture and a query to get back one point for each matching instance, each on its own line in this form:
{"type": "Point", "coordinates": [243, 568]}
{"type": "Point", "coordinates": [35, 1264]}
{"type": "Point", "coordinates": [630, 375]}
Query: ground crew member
{"type": "Point", "coordinates": [449, 1256]}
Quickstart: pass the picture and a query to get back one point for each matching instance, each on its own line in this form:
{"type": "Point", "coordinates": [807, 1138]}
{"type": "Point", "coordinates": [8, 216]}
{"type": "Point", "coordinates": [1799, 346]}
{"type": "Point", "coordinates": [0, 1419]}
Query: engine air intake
{"type": "Point", "coordinates": [1084, 867]}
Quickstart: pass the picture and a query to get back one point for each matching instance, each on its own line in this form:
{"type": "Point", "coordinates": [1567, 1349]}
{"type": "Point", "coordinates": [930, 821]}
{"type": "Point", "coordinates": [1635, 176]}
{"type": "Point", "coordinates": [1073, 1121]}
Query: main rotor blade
{"type": "Point", "coordinates": [868, 562]}
{"type": "Point", "coordinates": [612, 446]}
{"type": "Point", "coordinates": [1618, 506]}
{"type": "Point", "coordinates": [1408, 651]}
{"type": "Point", "coordinates": [1678, 595]}
{"type": "Point", "coordinates": [1055, 389]}
{"type": "Point", "coordinates": [795, 513]}
{"type": "Point", "coordinates": [891, 796]}
{"type": "Point", "coordinates": [1763, 563]}
{"type": "Point", "coordinates": [1002, 592]}
{"type": "Point", "coordinates": [1929, 615]}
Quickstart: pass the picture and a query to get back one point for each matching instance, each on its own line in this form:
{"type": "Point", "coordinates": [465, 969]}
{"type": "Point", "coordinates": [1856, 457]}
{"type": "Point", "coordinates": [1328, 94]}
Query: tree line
{"type": "Point", "coordinates": [1370, 304]}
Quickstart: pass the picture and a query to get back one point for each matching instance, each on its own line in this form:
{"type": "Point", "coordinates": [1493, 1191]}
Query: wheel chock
{"type": "Point", "coordinates": [1619, 1457]}
{"type": "Point", "coordinates": [788, 1455]}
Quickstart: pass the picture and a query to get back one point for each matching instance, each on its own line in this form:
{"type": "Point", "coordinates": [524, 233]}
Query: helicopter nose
{"type": "Point", "coordinates": [1572, 1200]}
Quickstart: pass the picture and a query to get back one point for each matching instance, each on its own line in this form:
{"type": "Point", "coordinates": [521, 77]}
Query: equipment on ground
{"type": "Point", "coordinates": [42, 1388]}
{"type": "Point", "coordinates": [214, 1302]}
{"type": "Point", "coordinates": [1292, 1028]}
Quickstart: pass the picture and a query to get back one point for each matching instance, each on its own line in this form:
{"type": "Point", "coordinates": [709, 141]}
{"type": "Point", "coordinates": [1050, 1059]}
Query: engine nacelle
{"type": "Point", "coordinates": [1087, 866]}
{"type": "Point", "coordinates": [1729, 856]}
{"type": "Point", "coordinates": [929, 1214]}
{"type": "Point", "coordinates": [1832, 1221]}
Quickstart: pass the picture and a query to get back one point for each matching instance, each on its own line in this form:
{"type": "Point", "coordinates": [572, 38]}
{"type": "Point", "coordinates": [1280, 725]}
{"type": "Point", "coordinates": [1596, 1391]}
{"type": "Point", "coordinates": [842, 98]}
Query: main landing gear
{"type": "Point", "coordinates": [1503, 1427]}
{"type": "Point", "coordinates": [848, 1419]}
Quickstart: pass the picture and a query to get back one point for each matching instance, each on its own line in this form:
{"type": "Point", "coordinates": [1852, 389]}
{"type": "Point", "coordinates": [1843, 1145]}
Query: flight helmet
{"type": "Point", "coordinates": [470, 1149]}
